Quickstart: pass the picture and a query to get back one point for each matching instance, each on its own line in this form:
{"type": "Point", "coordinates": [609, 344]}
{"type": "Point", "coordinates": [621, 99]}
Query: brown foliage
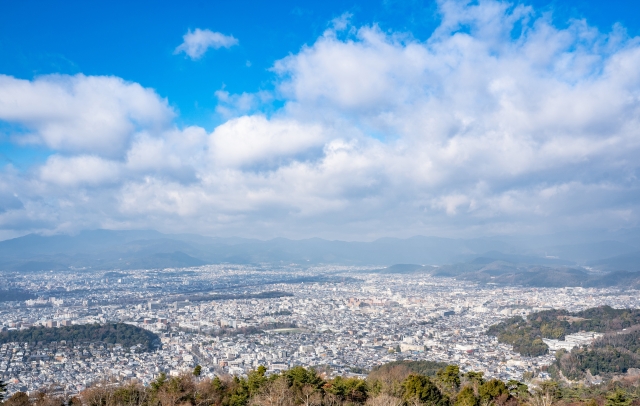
{"type": "Point", "coordinates": [44, 399]}
{"type": "Point", "coordinates": [18, 399]}
{"type": "Point", "coordinates": [390, 381]}
{"type": "Point", "coordinates": [384, 400]}
{"type": "Point", "coordinates": [275, 393]}
{"type": "Point", "coordinates": [178, 390]}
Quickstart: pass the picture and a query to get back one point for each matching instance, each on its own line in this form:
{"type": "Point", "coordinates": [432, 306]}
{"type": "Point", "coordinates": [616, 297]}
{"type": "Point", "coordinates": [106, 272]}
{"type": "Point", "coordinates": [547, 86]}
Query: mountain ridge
{"type": "Point", "coordinates": [126, 249]}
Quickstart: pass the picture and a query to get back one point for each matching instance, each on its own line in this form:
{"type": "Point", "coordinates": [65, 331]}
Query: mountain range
{"type": "Point", "coordinates": [482, 259]}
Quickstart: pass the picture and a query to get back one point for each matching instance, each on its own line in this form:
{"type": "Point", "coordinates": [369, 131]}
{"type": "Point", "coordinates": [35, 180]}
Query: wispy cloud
{"type": "Point", "coordinates": [196, 43]}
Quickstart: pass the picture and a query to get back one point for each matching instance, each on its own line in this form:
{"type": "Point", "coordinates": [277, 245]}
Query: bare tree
{"type": "Point", "coordinates": [540, 399]}
{"type": "Point", "coordinates": [310, 396]}
{"type": "Point", "coordinates": [276, 393]}
{"type": "Point", "coordinates": [385, 400]}
{"type": "Point", "coordinates": [331, 399]}
{"type": "Point", "coordinates": [204, 395]}
{"type": "Point", "coordinates": [97, 395]}
{"type": "Point", "coordinates": [175, 391]}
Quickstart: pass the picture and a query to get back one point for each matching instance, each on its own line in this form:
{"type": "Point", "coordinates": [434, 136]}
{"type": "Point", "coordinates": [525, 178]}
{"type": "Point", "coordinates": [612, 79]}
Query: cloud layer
{"type": "Point", "coordinates": [499, 123]}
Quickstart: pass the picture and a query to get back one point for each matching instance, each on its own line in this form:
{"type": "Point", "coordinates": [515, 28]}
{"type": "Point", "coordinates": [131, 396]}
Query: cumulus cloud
{"type": "Point", "coordinates": [500, 122]}
{"type": "Point", "coordinates": [252, 140]}
{"type": "Point", "coordinates": [196, 43]}
{"type": "Point", "coordinates": [79, 170]}
{"type": "Point", "coordinates": [80, 114]}
{"type": "Point", "coordinates": [175, 154]}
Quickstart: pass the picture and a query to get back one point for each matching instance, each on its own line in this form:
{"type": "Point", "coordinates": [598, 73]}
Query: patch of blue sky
{"type": "Point", "coordinates": [136, 40]}
{"type": "Point", "coordinates": [16, 153]}
{"type": "Point", "coordinates": [22, 157]}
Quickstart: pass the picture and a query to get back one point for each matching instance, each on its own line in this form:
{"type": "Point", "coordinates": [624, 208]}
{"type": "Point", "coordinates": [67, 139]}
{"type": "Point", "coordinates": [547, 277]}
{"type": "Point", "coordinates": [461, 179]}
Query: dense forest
{"type": "Point", "coordinates": [390, 385]}
{"type": "Point", "coordinates": [526, 335]}
{"type": "Point", "coordinates": [117, 333]}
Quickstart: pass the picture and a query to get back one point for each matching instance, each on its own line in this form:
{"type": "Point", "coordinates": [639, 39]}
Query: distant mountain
{"type": "Point", "coordinates": [590, 251]}
{"type": "Point", "coordinates": [506, 273]}
{"type": "Point", "coordinates": [480, 259]}
{"type": "Point", "coordinates": [624, 262]}
{"type": "Point", "coordinates": [492, 256]}
{"type": "Point", "coordinates": [619, 278]}
{"type": "Point", "coordinates": [403, 269]}
{"type": "Point", "coordinates": [104, 249]}
{"type": "Point", "coordinates": [164, 260]}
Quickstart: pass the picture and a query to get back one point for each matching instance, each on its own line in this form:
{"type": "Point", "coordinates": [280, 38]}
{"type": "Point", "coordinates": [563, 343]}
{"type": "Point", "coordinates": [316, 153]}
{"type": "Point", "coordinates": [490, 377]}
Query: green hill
{"type": "Point", "coordinates": [612, 354]}
{"type": "Point", "coordinates": [526, 335]}
{"type": "Point", "coordinates": [118, 333]}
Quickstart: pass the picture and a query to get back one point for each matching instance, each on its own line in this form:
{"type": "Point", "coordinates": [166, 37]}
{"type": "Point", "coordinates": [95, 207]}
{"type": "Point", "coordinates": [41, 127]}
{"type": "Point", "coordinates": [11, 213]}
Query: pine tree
{"type": "Point", "coordinates": [618, 398]}
{"type": "Point", "coordinates": [197, 370]}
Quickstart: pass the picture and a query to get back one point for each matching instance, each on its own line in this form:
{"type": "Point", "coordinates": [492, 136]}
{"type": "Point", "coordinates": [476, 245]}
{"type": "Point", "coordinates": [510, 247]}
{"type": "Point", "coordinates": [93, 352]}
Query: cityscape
{"type": "Point", "coordinates": [345, 323]}
{"type": "Point", "coordinates": [320, 203]}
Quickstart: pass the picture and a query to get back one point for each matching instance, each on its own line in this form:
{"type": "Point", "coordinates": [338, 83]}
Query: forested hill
{"type": "Point", "coordinates": [526, 335]}
{"type": "Point", "coordinates": [612, 354]}
{"type": "Point", "coordinates": [118, 333]}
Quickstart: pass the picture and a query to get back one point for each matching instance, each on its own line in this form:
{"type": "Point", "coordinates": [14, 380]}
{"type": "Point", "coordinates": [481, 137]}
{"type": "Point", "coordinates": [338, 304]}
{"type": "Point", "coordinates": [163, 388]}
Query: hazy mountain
{"type": "Point", "coordinates": [105, 249]}
{"type": "Point", "coordinates": [404, 269]}
{"type": "Point", "coordinates": [590, 251]}
{"type": "Point", "coordinates": [625, 262]}
{"type": "Point", "coordinates": [505, 273]}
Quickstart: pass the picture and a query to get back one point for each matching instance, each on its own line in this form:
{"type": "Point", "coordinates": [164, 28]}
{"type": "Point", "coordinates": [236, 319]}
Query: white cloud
{"type": "Point", "coordinates": [85, 114]}
{"type": "Point", "coordinates": [196, 43]}
{"type": "Point", "coordinates": [480, 129]}
{"type": "Point", "coordinates": [254, 140]}
{"type": "Point", "coordinates": [175, 154]}
{"type": "Point", "coordinates": [79, 170]}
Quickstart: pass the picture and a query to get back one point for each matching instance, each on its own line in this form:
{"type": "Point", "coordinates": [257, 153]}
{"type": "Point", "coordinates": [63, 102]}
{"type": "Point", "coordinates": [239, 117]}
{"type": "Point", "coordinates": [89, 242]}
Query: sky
{"type": "Point", "coordinates": [337, 119]}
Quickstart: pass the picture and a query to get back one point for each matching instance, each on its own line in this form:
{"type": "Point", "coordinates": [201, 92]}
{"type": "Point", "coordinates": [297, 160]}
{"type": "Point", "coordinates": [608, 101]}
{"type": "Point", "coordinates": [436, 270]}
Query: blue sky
{"type": "Point", "coordinates": [256, 136]}
{"type": "Point", "coordinates": [136, 40]}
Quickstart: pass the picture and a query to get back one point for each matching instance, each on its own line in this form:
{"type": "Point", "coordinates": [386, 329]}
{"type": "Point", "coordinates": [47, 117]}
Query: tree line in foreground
{"type": "Point", "coordinates": [393, 385]}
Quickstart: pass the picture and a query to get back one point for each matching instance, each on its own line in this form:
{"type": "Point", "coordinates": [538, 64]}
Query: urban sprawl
{"type": "Point", "coordinates": [341, 320]}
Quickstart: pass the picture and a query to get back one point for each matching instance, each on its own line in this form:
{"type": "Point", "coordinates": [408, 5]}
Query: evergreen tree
{"type": "Point", "coordinates": [466, 397]}
{"type": "Point", "coordinates": [159, 382]}
{"type": "Point", "coordinates": [492, 389]}
{"type": "Point", "coordinates": [256, 379]}
{"type": "Point", "coordinates": [449, 377]}
{"type": "Point", "coordinates": [517, 388]}
{"type": "Point", "coordinates": [474, 377]}
{"type": "Point", "coordinates": [618, 398]}
{"type": "Point", "coordinates": [420, 387]}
